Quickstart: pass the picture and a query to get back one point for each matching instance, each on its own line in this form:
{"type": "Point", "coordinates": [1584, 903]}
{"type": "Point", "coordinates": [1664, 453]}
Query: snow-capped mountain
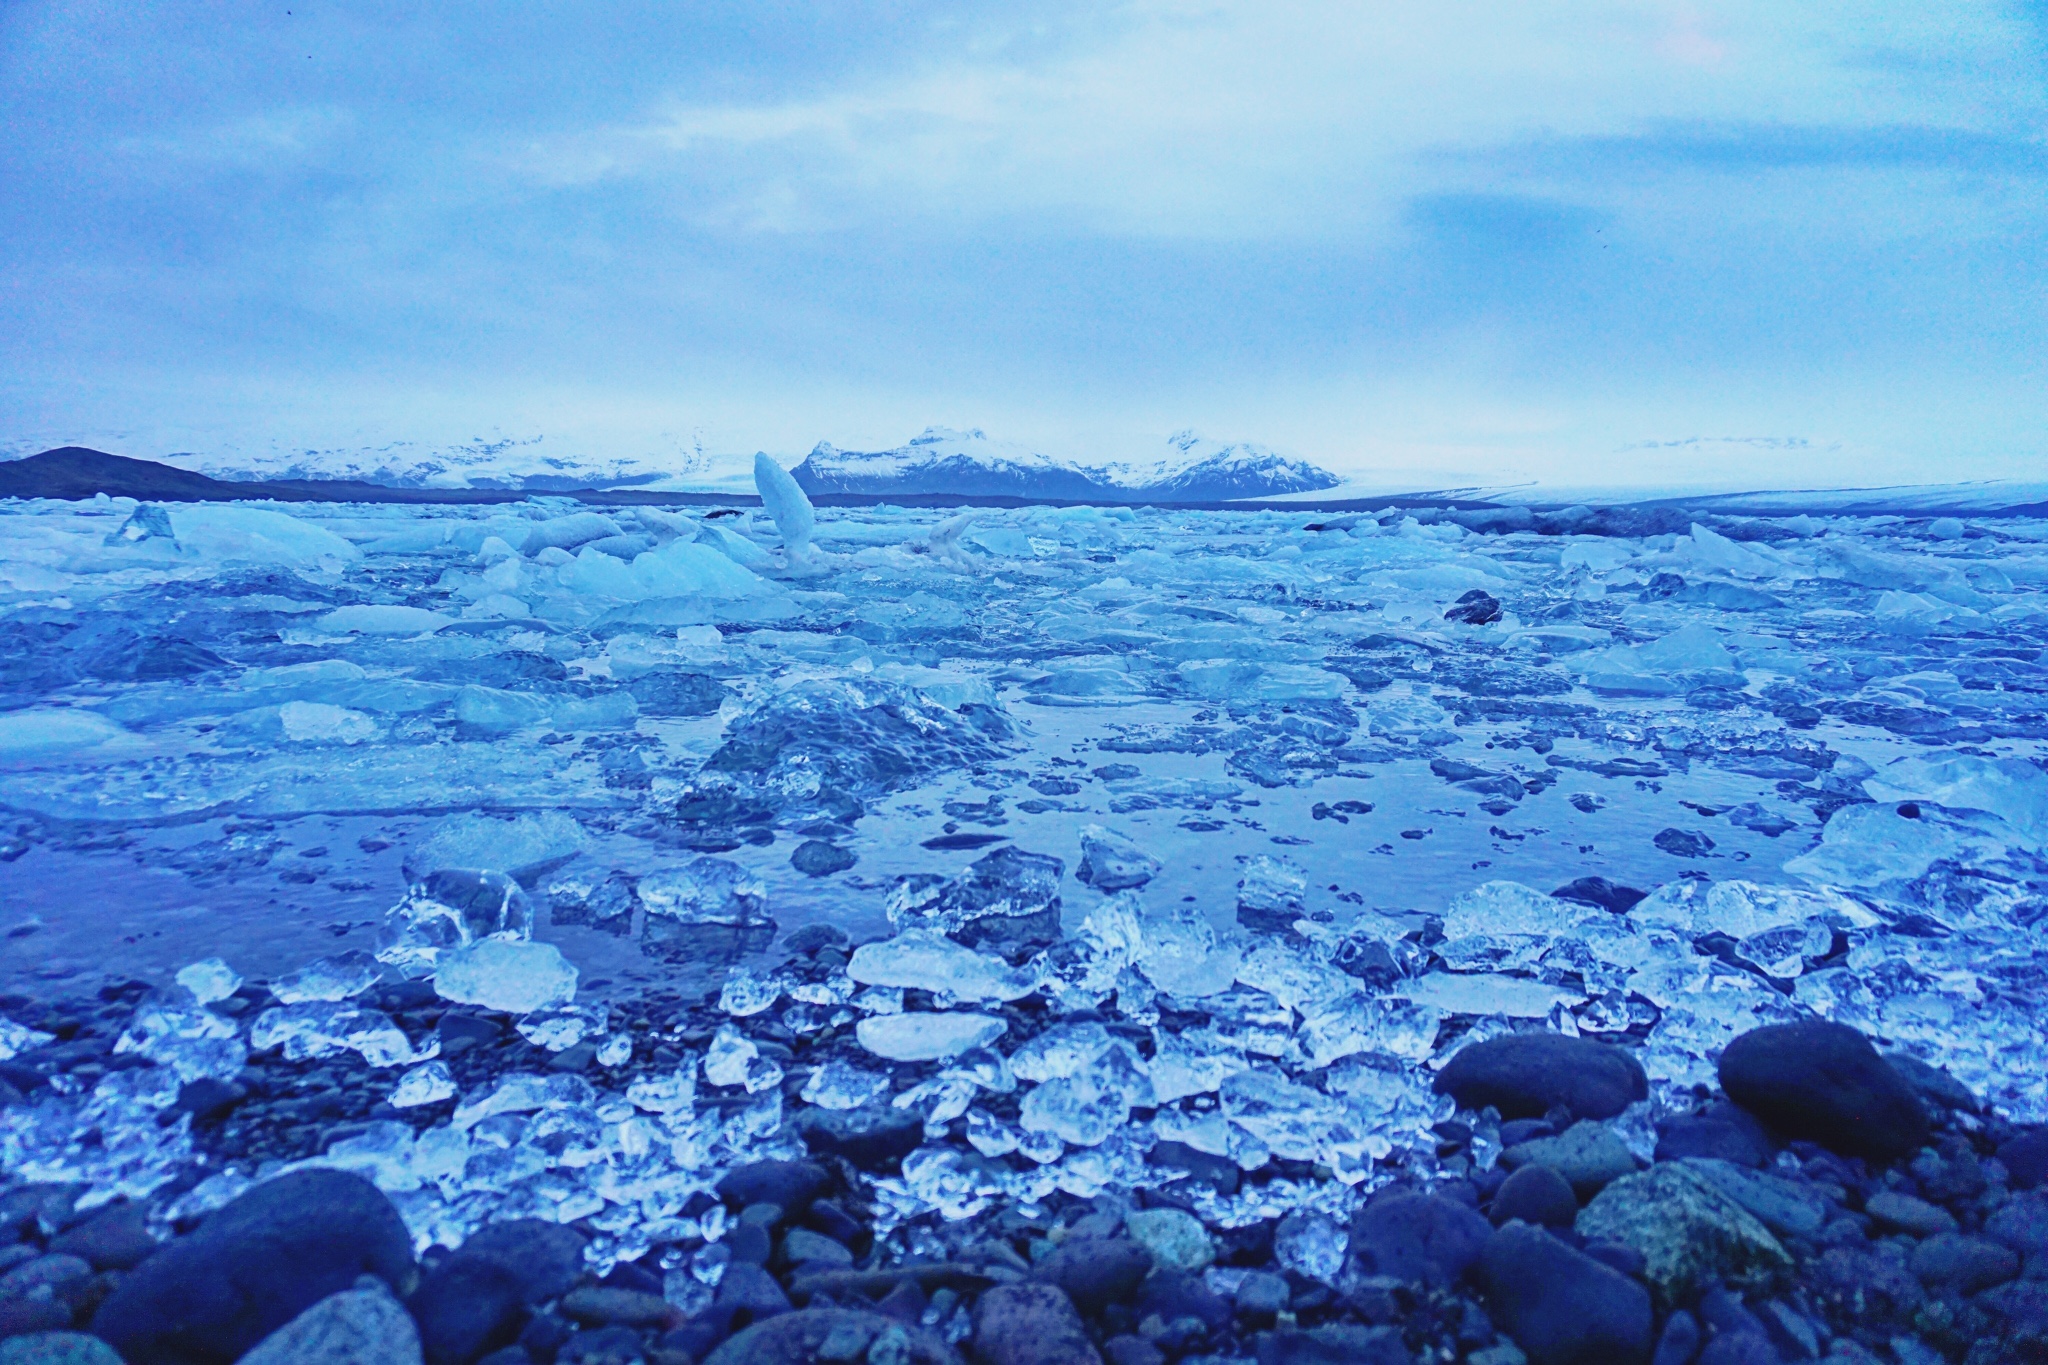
{"type": "Point", "coordinates": [969, 464]}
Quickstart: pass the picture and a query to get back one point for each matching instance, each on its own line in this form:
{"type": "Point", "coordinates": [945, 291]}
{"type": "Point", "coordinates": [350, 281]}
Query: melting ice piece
{"type": "Point", "coordinates": [727, 1059]}
{"type": "Point", "coordinates": [1074, 1111]}
{"type": "Point", "coordinates": [704, 908]}
{"type": "Point", "coordinates": [1312, 1244]}
{"type": "Point", "coordinates": [16, 1039]}
{"type": "Point", "coordinates": [522, 1093]}
{"type": "Point", "coordinates": [920, 959]}
{"type": "Point", "coordinates": [506, 974]}
{"type": "Point", "coordinates": [523, 848]}
{"type": "Point", "coordinates": [321, 1028]}
{"type": "Point", "coordinates": [616, 1050]}
{"type": "Point", "coordinates": [838, 1085]}
{"type": "Point", "coordinates": [927, 1037]}
{"type": "Point", "coordinates": [560, 1029]}
{"type": "Point", "coordinates": [1008, 900]}
{"type": "Point", "coordinates": [1111, 862]}
{"type": "Point", "coordinates": [192, 1042]}
{"type": "Point", "coordinates": [1182, 957]}
{"type": "Point", "coordinates": [1271, 894]}
{"type": "Point", "coordinates": [670, 1094]}
{"type": "Point", "coordinates": [342, 977]}
{"type": "Point", "coordinates": [786, 503]}
{"type": "Point", "coordinates": [448, 910]}
{"type": "Point", "coordinates": [428, 1083]}
{"type": "Point", "coordinates": [748, 992]}
{"type": "Point", "coordinates": [209, 981]}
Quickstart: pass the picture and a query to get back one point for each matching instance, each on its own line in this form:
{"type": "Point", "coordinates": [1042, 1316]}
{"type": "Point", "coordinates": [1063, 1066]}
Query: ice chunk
{"type": "Point", "coordinates": [1182, 956]}
{"type": "Point", "coordinates": [729, 1056]}
{"type": "Point", "coordinates": [787, 504]}
{"type": "Point", "coordinates": [1311, 1244]}
{"type": "Point", "coordinates": [1182, 1066]}
{"type": "Point", "coordinates": [193, 1042]}
{"type": "Point", "coordinates": [1075, 1110]}
{"type": "Point", "coordinates": [838, 1085]}
{"type": "Point", "coordinates": [16, 1039]}
{"type": "Point", "coordinates": [147, 522]}
{"type": "Point", "coordinates": [1290, 1119]}
{"type": "Point", "coordinates": [38, 733]}
{"type": "Point", "coordinates": [524, 847]}
{"type": "Point", "coordinates": [428, 1083]}
{"type": "Point", "coordinates": [234, 533]}
{"type": "Point", "coordinates": [2011, 788]}
{"type": "Point", "coordinates": [341, 977]}
{"type": "Point", "coordinates": [209, 980]}
{"type": "Point", "coordinates": [748, 993]}
{"type": "Point", "coordinates": [382, 620]}
{"type": "Point", "coordinates": [562, 1028]}
{"type": "Point", "coordinates": [680, 569]}
{"type": "Point", "coordinates": [1484, 993]}
{"type": "Point", "coordinates": [1110, 862]}
{"type": "Point", "coordinates": [1008, 900]}
{"type": "Point", "coordinates": [1271, 894]}
{"type": "Point", "coordinates": [322, 1028]}
{"type": "Point", "coordinates": [920, 959]}
{"type": "Point", "coordinates": [506, 974]}
{"type": "Point", "coordinates": [568, 532]}
{"type": "Point", "coordinates": [524, 1093]}
{"type": "Point", "coordinates": [450, 909]}
{"type": "Point", "coordinates": [927, 1037]}
{"type": "Point", "coordinates": [670, 1094]}
{"type": "Point", "coordinates": [704, 908]}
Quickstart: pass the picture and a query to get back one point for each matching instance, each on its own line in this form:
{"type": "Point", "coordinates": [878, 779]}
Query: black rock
{"type": "Point", "coordinates": [467, 1306]}
{"type": "Point", "coordinates": [1175, 1294]}
{"type": "Point", "coordinates": [1725, 1131]}
{"type": "Point", "coordinates": [1683, 843]}
{"type": "Point", "coordinates": [1526, 1075]}
{"type": "Point", "coordinates": [795, 1339]}
{"type": "Point", "coordinates": [811, 937]}
{"type": "Point", "coordinates": [546, 1257]}
{"type": "Point", "coordinates": [1096, 1271]}
{"type": "Point", "coordinates": [1477, 607]}
{"type": "Point", "coordinates": [254, 1266]}
{"type": "Point", "coordinates": [113, 1239]}
{"type": "Point", "coordinates": [1219, 1173]}
{"type": "Point", "coordinates": [2026, 1156]}
{"type": "Point", "coordinates": [1935, 1086]}
{"type": "Point", "coordinates": [871, 1137]}
{"type": "Point", "coordinates": [605, 1346]}
{"type": "Point", "coordinates": [1420, 1238]}
{"type": "Point", "coordinates": [747, 1294]}
{"type": "Point", "coordinates": [1609, 896]}
{"type": "Point", "coordinates": [1680, 1340]}
{"type": "Point", "coordinates": [1740, 1348]}
{"type": "Point", "coordinates": [208, 1098]}
{"type": "Point", "coordinates": [1561, 1306]}
{"type": "Point", "coordinates": [1824, 1082]}
{"type": "Point", "coordinates": [1030, 1324]}
{"type": "Point", "coordinates": [791, 1185]}
{"type": "Point", "coordinates": [1535, 1194]}
{"type": "Point", "coordinates": [1337, 1343]}
{"type": "Point", "coordinates": [816, 858]}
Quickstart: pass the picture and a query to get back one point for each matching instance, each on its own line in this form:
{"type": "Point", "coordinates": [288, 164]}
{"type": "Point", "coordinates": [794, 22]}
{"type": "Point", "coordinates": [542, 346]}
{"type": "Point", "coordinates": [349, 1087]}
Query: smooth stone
{"type": "Point", "coordinates": [254, 1266]}
{"type": "Point", "coordinates": [1561, 1306]}
{"type": "Point", "coordinates": [466, 1307]}
{"type": "Point", "coordinates": [1825, 1082]}
{"type": "Point", "coordinates": [791, 1185]}
{"type": "Point", "coordinates": [113, 1239]}
{"type": "Point", "coordinates": [1724, 1132]}
{"type": "Point", "coordinates": [1176, 1238]}
{"type": "Point", "coordinates": [871, 1137]}
{"type": "Point", "coordinates": [1690, 1234]}
{"type": "Point", "coordinates": [1679, 1342]}
{"type": "Point", "coordinates": [1969, 1264]}
{"type": "Point", "coordinates": [2026, 1157]}
{"type": "Point", "coordinates": [1903, 1213]}
{"type": "Point", "coordinates": [603, 1346]}
{"type": "Point", "coordinates": [1526, 1075]}
{"type": "Point", "coordinates": [801, 1246]}
{"type": "Point", "coordinates": [1786, 1207]}
{"type": "Point", "coordinates": [748, 1294]}
{"type": "Point", "coordinates": [1130, 1350]}
{"type": "Point", "coordinates": [1422, 1239]}
{"type": "Point", "coordinates": [1935, 1086]}
{"type": "Point", "coordinates": [52, 1271]}
{"type": "Point", "coordinates": [1336, 1343]}
{"type": "Point", "coordinates": [57, 1348]}
{"type": "Point", "coordinates": [1588, 1155]}
{"type": "Point", "coordinates": [2023, 1225]}
{"type": "Point", "coordinates": [799, 1338]}
{"type": "Point", "coordinates": [1741, 1348]}
{"type": "Point", "coordinates": [1095, 1272]}
{"type": "Point", "coordinates": [356, 1327]}
{"type": "Point", "coordinates": [1030, 1324]}
{"type": "Point", "coordinates": [601, 1306]}
{"type": "Point", "coordinates": [1535, 1194]}
{"type": "Point", "coordinates": [1176, 1295]}
{"type": "Point", "coordinates": [547, 1257]}
{"type": "Point", "coordinates": [1262, 1294]}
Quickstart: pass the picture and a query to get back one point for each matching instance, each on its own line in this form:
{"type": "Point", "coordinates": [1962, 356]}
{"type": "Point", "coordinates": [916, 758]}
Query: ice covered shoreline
{"type": "Point", "coordinates": [1216, 831]}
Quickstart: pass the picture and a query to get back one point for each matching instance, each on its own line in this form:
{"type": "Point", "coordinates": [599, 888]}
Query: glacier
{"type": "Point", "coordinates": [1053, 833]}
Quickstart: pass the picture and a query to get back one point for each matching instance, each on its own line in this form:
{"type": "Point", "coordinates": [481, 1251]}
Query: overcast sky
{"type": "Point", "coordinates": [1743, 243]}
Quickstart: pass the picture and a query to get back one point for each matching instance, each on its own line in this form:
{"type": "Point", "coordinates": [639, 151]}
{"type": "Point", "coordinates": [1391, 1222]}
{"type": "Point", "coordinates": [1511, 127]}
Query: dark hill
{"type": "Point", "coordinates": [79, 472]}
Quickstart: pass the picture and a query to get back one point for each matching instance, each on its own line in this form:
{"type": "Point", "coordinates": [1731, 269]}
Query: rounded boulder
{"type": "Point", "coordinates": [1526, 1075]}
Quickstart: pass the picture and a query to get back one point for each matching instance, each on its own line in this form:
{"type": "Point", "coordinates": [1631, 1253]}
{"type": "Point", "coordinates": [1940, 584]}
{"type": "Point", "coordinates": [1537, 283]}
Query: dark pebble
{"type": "Point", "coordinates": [795, 1339]}
{"type": "Point", "coordinates": [1526, 1075]}
{"type": "Point", "coordinates": [1219, 1173]}
{"type": "Point", "coordinates": [1740, 1348]}
{"type": "Point", "coordinates": [605, 1346]}
{"type": "Point", "coordinates": [1609, 896]}
{"type": "Point", "coordinates": [547, 1257]}
{"type": "Point", "coordinates": [789, 1184]}
{"type": "Point", "coordinates": [113, 1239]}
{"type": "Point", "coordinates": [254, 1266]}
{"type": "Point", "coordinates": [1824, 1082]}
{"type": "Point", "coordinates": [1418, 1238]}
{"type": "Point", "coordinates": [2026, 1156]}
{"type": "Point", "coordinates": [206, 1098]}
{"type": "Point", "coordinates": [595, 1305]}
{"type": "Point", "coordinates": [747, 1294]}
{"type": "Point", "coordinates": [1096, 1271]}
{"type": "Point", "coordinates": [871, 1137]}
{"type": "Point", "coordinates": [816, 858]}
{"type": "Point", "coordinates": [1030, 1324]}
{"type": "Point", "coordinates": [1679, 1342]}
{"type": "Point", "coordinates": [1724, 1132]}
{"type": "Point", "coordinates": [1535, 1194]}
{"type": "Point", "coordinates": [1337, 1343]}
{"type": "Point", "coordinates": [1969, 1264]}
{"type": "Point", "coordinates": [1561, 1306]}
{"type": "Point", "coordinates": [1130, 1350]}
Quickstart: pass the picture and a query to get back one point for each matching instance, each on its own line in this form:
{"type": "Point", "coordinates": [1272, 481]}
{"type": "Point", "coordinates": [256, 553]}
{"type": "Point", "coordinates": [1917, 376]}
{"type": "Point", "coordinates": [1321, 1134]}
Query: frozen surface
{"type": "Point", "coordinates": [1233, 784]}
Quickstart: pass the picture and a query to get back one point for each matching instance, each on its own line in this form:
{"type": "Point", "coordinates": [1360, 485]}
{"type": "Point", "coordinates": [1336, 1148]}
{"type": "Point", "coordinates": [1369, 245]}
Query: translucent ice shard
{"type": "Point", "coordinates": [1110, 862]}
{"type": "Point", "coordinates": [1271, 894]}
{"type": "Point", "coordinates": [428, 1083]}
{"type": "Point", "coordinates": [523, 847]}
{"type": "Point", "coordinates": [922, 1037]}
{"type": "Point", "coordinates": [707, 908]}
{"type": "Point", "coordinates": [506, 974]}
{"type": "Point", "coordinates": [787, 504]}
{"type": "Point", "coordinates": [1182, 955]}
{"type": "Point", "coordinates": [209, 981]}
{"type": "Point", "coordinates": [1008, 900]}
{"type": "Point", "coordinates": [929, 961]}
{"type": "Point", "coordinates": [563, 1027]}
{"type": "Point", "coordinates": [449, 910]}
{"type": "Point", "coordinates": [341, 977]}
{"type": "Point", "coordinates": [838, 1085]}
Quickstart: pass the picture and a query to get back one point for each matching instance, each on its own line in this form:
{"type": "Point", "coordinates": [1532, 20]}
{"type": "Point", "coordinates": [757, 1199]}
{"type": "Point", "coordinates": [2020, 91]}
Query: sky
{"type": "Point", "coordinates": [1585, 244]}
